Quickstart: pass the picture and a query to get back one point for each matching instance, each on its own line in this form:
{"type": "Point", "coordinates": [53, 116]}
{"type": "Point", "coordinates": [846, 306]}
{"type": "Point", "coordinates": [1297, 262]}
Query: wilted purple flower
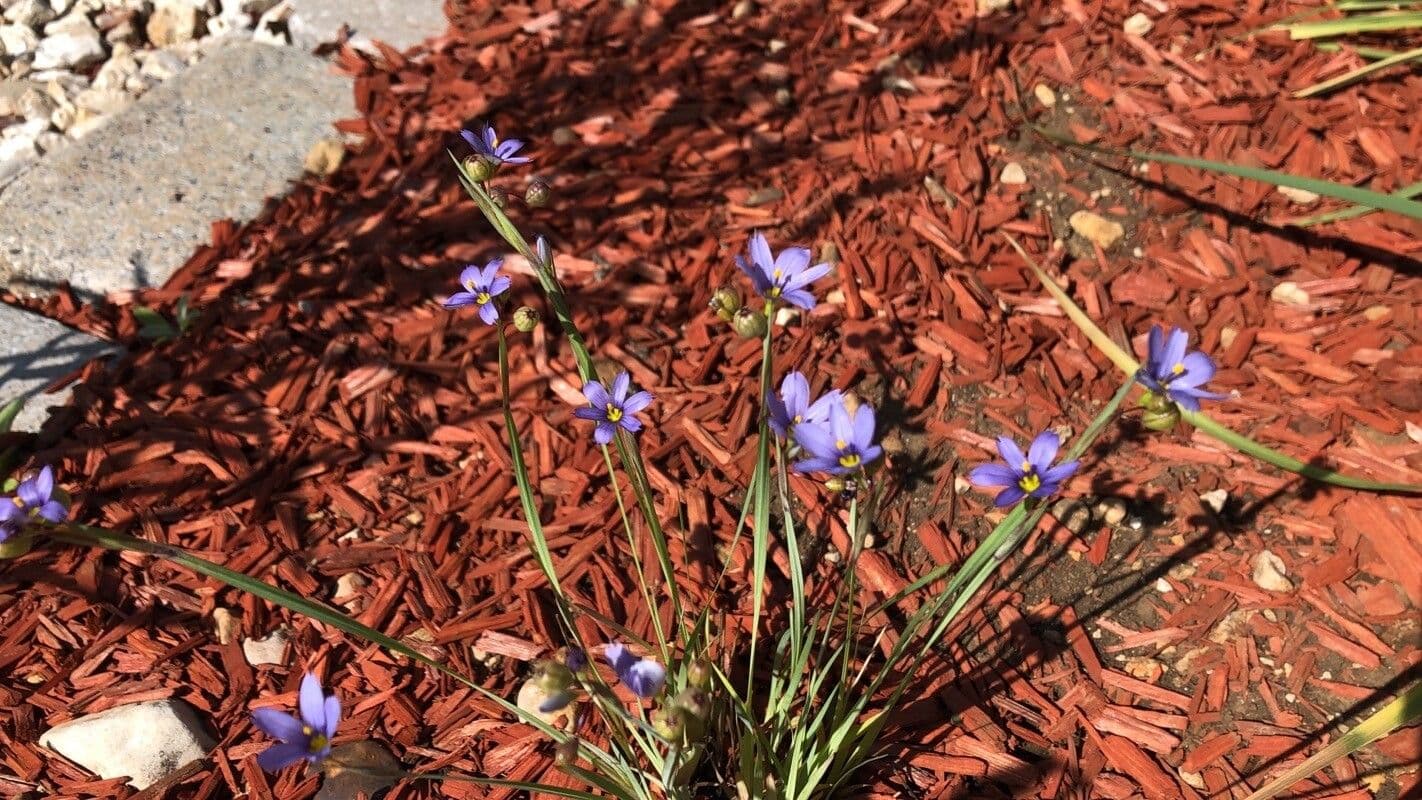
{"type": "Point", "coordinates": [308, 737]}
{"type": "Point", "coordinates": [792, 406]}
{"type": "Point", "coordinates": [785, 276]}
{"type": "Point", "coordinates": [481, 286]}
{"type": "Point", "coordinates": [33, 499]}
{"type": "Point", "coordinates": [840, 446]}
{"type": "Point", "coordinates": [486, 143]}
{"type": "Point", "coordinates": [642, 675]}
{"type": "Point", "coordinates": [1171, 371]}
{"type": "Point", "coordinates": [1023, 475]}
{"type": "Point", "coordinates": [576, 659]}
{"type": "Point", "coordinates": [614, 410]}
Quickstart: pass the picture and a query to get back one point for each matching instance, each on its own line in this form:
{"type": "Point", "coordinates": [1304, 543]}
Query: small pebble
{"type": "Point", "coordinates": [1096, 229]}
{"type": "Point", "coordinates": [1215, 500]}
{"type": "Point", "coordinates": [1045, 95]}
{"type": "Point", "coordinates": [1013, 174]}
{"type": "Point", "coordinates": [1137, 24]}
{"type": "Point", "coordinates": [1301, 197]}
{"type": "Point", "coordinates": [1269, 573]}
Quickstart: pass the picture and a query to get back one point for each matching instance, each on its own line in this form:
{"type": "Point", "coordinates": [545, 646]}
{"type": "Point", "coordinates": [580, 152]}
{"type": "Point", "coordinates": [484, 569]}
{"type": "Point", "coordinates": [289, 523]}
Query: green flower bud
{"type": "Point", "coordinates": [1160, 413]}
{"type": "Point", "coordinates": [725, 301]}
{"type": "Point", "coordinates": [526, 318]}
{"type": "Point", "coordinates": [566, 752]}
{"type": "Point", "coordinates": [480, 168]}
{"type": "Point", "coordinates": [537, 193]}
{"type": "Point", "coordinates": [553, 676]}
{"type": "Point", "coordinates": [699, 674]}
{"type": "Point", "coordinates": [693, 701]}
{"type": "Point", "coordinates": [749, 323]}
{"type": "Point", "coordinates": [836, 485]}
{"type": "Point", "coordinates": [500, 197]}
{"type": "Point", "coordinates": [669, 723]}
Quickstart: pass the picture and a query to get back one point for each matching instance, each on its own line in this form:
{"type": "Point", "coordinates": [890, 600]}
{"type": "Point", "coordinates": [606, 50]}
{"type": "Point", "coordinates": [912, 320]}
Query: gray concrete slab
{"type": "Point", "coordinates": [35, 352]}
{"type": "Point", "coordinates": [127, 205]}
{"type": "Point", "coordinates": [398, 23]}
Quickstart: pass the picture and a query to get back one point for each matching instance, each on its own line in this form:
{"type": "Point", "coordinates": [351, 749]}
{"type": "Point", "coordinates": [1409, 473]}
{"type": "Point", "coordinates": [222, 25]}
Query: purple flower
{"type": "Point", "coordinates": [614, 410]}
{"type": "Point", "coordinates": [1022, 475]}
{"type": "Point", "coordinates": [642, 675]}
{"type": "Point", "coordinates": [1171, 371]}
{"type": "Point", "coordinates": [307, 737]}
{"type": "Point", "coordinates": [481, 286]}
{"type": "Point", "coordinates": [793, 405]}
{"type": "Point", "coordinates": [782, 277]}
{"type": "Point", "coordinates": [840, 446]}
{"type": "Point", "coordinates": [576, 659]}
{"type": "Point", "coordinates": [486, 143]}
{"type": "Point", "coordinates": [33, 498]}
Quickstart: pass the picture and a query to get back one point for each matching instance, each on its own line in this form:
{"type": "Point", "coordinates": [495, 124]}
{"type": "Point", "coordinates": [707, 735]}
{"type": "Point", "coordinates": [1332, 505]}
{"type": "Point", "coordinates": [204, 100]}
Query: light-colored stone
{"type": "Point", "coordinates": [224, 624]}
{"type": "Point", "coordinates": [1290, 294]}
{"type": "Point", "coordinates": [173, 21]}
{"type": "Point", "coordinates": [34, 353]}
{"type": "Point", "coordinates": [1138, 24]}
{"type": "Point", "coordinates": [1302, 197]}
{"type": "Point", "coordinates": [1270, 573]}
{"type": "Point", "coordinates": [17, 40]}
{"type": "Point", "coordinates": [268, 650]}
{"type": "Point", "coordinates": [215, 142]}
{"type": "Point", "coordinates": [116, 72]}
{"type": "Point", "coordinates": [162, 64]}
{"type": "Point", "coordinates": [1045, 95]}
{"type": "Point", "coordinates": [144, 741]}
{"type": "Point", "coordinates": [1215, 500]}
{"type": "Point", "coordinates": [35, 104]}
{"type": "Point", "coordinates": [75, 45]}
{"type": "Point", "coordinates": [1013, 174]}
{"type": "Point", "coordinates": [1096, 229]}
{"type": "Point", "coordinates": [532, 695]}
{"type": "Point", "coordinates": [325, 156]}
{"type": "Point", "coordinates": [399, 23]}
{"type": "Point", "coordinates": [31, 13]}
{"type": "Point", "coordinates": [103, 101]}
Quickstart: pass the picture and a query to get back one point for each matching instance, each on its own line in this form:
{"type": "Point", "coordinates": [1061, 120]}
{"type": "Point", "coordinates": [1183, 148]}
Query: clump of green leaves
{"type": "Point", "coordinates": [155, 327]}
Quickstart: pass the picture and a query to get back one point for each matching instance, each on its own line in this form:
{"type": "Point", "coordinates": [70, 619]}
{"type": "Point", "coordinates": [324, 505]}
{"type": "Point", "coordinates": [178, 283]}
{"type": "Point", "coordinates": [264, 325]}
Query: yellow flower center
{"type": "Point", "coordinates": [481, 298]}
{"type": "Point", "coordinates": [1178, 369]}
{"type": "Point", "coordinates": [849, 460]}
{"type": "Point", "coordinates": [315, 742]}
{"type": "Point", "coordinates": [798, 419]}
{"type": "Point", "coordinates": [613, 413]}
{"type": "Point", "coordinates": [773, 292]}
{"type": "Point", "coordinates": [1026, 466]}
{"type": "Point", "coordinates": [840, 444]}
{"type": "Point", "coordinates": [1030, 482]}
{"type": "Point", "coordinates": [775, 274]}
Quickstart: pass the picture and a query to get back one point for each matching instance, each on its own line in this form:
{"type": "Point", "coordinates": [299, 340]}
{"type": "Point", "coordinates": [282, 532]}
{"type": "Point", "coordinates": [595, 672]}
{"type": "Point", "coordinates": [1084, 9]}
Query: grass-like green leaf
{"type": "Point", "coordinates": [11, 410]}
{"type": "Point", "coordinates": [1352, 194]}
{"type": "Point", "coordinates": [1127, 364]}
{"type": "Point", "coordinates": [1408, 191]}
{"type": "Point", "coordinates": [1360, 73]}
{"type": "Point", "coordinates": [1401, 711]}
{"type": "Point", "coordinates": [1356, 23]}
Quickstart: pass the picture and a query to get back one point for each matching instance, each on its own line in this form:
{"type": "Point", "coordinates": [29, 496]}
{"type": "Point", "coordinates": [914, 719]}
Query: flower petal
{"type": "Point", "coordinates": [637, 402]}
{"type": "Point", "coordinates": [645, 677]}
{"type": "Point", "coordinates": [795, 392]}
{"type": "Point", "coordinates": [863, 427]}
{"type": "Point", "coordinates": [841, 426]}
{"type": "Point", "coordinates": [475, 142]}
{"type": "Point", "coordinates": [1176, 343]}
{"type": "Point", "coordinates": [1009, 496]}
{"type": "Point", "coordinates": [807, 277]}
{"type": "Point", "coordinates": [799, 298]}
{"type": "Point", "coordinates": [777, 415]}
{"type": "Point", "coordinates": [312, 701]}
{"type": "Point", "coordinates": [791, 262]}
{"type": "Point", "coordinates": [604, 432]}
{"type": "Point", "coordinates": [278, 724]}
{"type": "Point", "coordinates": [1010, 452]}
{"type": "Point", "coordinates": [1186, 401]}
{"type": "Point", "coordinates": [1060, 472]}
{"type": "Point", "coordinates": [490, 137]}
{"type": "Point", "coordinates": [489, 313]}
{"type": "Point", "coordinates": [760, 252]}
{"type": "Point", "coordinates": [620, 385]}
{"type": "Point", "coordinates": [596, 394]}
{"type": "Point", "coordinates": [1155, 347]}
{"type": "Point", "coordinates": [333, 715]}
{"type": "Point", "coordinates": [994, 474]}
{"type": "Point", "coordinates": [9, 511]}
{"type": "Point", "coordinates": [280, 756]}
{"type": "Point", "coordinates": [1198, 369]}
{"type": "Point", "coordinates": [618, 657]}
{"type": "Point", "coordinates": [630, 424]}
{"type": "Point", "coordinates": [870, 454]}
{"type": "Point", "coordinates": [819, 410]}
{"type": "Point", "coordinates": [588, 412]}
{"type": "Point", "coordinates": [817, 440]}
{"type": "Point", "coordinates": [459, 300]}
{"type": "Point", "coordinates": [818, 464]}
{"type": "Point", "coordinates": [52, 510]}
{"type": "Point", "coordinates": [1043, 450]}
{"type": "Point", "coordinates": [490, 271]}
{"type": "Point", "coordinates": [500, 284]}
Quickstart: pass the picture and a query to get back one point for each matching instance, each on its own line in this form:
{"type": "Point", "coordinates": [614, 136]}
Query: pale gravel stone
{"type": "Point", "coordinates": [215, 142]}
{"type": "Point", "coordinates": [35, 352]}
{"type": "Point", "coordinates": [399, 23]}
{"type": "Point", "coordinates": [144, 741]}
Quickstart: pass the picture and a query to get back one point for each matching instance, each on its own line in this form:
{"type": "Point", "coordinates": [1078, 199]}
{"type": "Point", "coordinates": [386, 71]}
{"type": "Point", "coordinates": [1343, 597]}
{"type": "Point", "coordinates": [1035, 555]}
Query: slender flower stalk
{"type": "Point", "coordinates": [612, 410]}
{"type": "Point", "coordinates": [1030, 475]}
{"type": "Point", "coordinates": [481, 286]}
{"type": "Point", "coordinates": [1172, 372]}
{"type": "Point", "coordinates": [307, 737]}
{"type": "Point", "coordinates": [784, 277]}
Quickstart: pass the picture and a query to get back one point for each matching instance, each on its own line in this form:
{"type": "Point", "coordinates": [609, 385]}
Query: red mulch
{"type": "Point", "coordinates": [327, 418]}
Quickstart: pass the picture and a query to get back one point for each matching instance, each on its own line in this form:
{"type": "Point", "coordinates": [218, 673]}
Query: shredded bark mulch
{"type": "Point", "coordinates": [327, 426]}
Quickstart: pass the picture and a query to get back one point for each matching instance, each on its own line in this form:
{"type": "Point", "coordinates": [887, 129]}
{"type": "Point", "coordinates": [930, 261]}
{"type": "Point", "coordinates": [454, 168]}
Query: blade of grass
{"type": "Point", "coordinates": [1130, 366]}
{"type": "Point", "coordinates": [1362, 50]}
{"type": "Point", "coordinates": [1408, 191]}
{"type": "Point", "coordinates": [1365, 197]}
{"type": "Point", "coordinates": [1357, 23]}
{"type": "Point", "coordinates": [1404, 709]}
{"type": "Point", "coordinates": [9, 412]}
{"type": "Point", "coordinates": [1360, 73]}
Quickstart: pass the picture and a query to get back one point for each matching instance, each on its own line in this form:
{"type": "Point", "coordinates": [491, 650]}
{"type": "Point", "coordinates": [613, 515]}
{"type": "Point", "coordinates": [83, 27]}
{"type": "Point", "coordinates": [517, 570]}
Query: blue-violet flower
{"type": "Point", "coordinates": [783, 277]}
{"type": "Point", "coordinates": [840, 446]}
{"type": "Point", "coordinates": [642, 675]}
{"type": "Point", "coordinates": [33, 498]}
{"type": "Point", "coordinates": [612, 410]}
{"type": "Point", "coordinates": [307, 737]}
{"type": "Point", "coordinates": [1171, 371]}
{"type": "Point", "coordinates": [792, 406]}
{"type": "Point", "coordinates": [1023, 475]}
{"type": "Point", "coordinates": [481, 286]}
{"type": "Point", "coordinates": [486, 143]}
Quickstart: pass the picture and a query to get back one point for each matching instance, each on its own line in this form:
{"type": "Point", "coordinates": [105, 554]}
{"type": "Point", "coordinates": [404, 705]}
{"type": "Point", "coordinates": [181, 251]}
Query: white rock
{"type": "Point", "coordinates": [13, 148]}
{"type": "Point", "coordinates": [173, 21]}
{"type": "Point", "coordinates": [1302, 197]}
{"type": "Point", "coordinates": [1138, 25]}
{"type": "Point", "coordinates": [1095, 228]}
{"type": "Point", "coordinates": [270, 650]}
{"type": "Point", "coordinates": [75, 46]}
{"type": "Point", "coordinates": [144, 741]}
{"type": "Point", "coordinates": [272, 26]}
{"type": "Point", "coordinates": [115, 72]}
{"type": "Point", "coordinates": [1215, 500]}
{"type": "Point", "coordinates": [103, 101]}
{"type": "Point", "coordinates": [17, 40]}
{"type": "Point", "coordinates": [1013, 174]}
{"type": "Point", "coordinates": [1290, 294]}
{"type": "Point", "coordinates": [162, 64]}
{"type": "Point", "coordinates": [1045, 95]}
{"type": "Point", "coordinates": [1269, 573]}
{"type": "Point", "coordinates": [33, 13]}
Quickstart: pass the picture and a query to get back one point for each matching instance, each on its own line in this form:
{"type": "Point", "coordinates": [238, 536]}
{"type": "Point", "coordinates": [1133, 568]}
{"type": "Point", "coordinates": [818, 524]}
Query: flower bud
{"type": "Point", "coordinates": [1160, 413]}
{"type": "Point", "coordinates": [836, 485]}
{"type": "Point", "coordinates": [526, 318]}
{"type": "Point", "coordinates": [500, 197]}
{"type": "Point", "coordinates": [749, 323]}
{"type": "Point", "coordinates": [553, 676]}
{"type": "Point", "coordinates": [480, 168]}
{"type": "Point", "coordinates": [699, 674]}
{"type": "Point", "coordinates": [693, 701]}
{"type": "Point", "coordinates": [537, 194]}
{"type": "Point", "coordinates": [669, 723]}
{"type": "Point", "coordinates": [544, 252]}
{"type": "Point", "coordinates": [566, 752]}
{"type": "Point", "coordinates": [725, 301]}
